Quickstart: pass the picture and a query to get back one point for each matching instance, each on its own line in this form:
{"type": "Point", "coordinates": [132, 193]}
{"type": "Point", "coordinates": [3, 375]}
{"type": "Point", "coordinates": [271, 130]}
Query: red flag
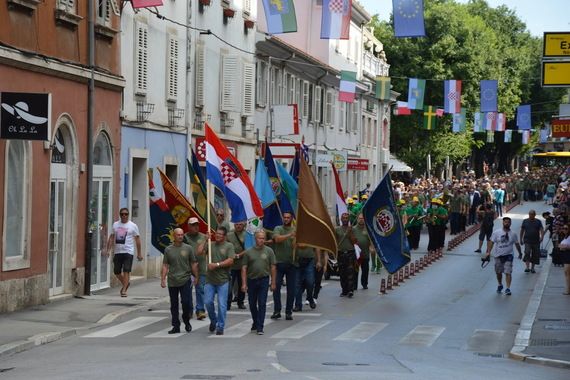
{"type": "Point", "coordinates": [146, 3]}
{"type": "Point", "coordinates": [340, 202]}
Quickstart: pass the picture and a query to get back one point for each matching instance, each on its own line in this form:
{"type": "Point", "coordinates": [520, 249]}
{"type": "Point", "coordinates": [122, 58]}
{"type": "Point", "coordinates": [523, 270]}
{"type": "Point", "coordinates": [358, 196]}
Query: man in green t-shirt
{"type": "Point", "coordinates": [414, 213]}
{"type": "Point", "coordinates": [363, 240]}
{"type": "Point", "coordinates": [197, 240]}
{"type": "Point", "coordinates": [217, 280]}
{"type": "Point", "coordinates": [346, 257]}
{"type": "Point", "coordinates": [283, 239]}
{"type": "Point", "coordinates": [237, 238]}
{"type": "Point", "coordinates": [305, 276]}
{"type": "Point", "coordinates": [258, 265]}
{"type": "Point", "coordinates": [178, 265]}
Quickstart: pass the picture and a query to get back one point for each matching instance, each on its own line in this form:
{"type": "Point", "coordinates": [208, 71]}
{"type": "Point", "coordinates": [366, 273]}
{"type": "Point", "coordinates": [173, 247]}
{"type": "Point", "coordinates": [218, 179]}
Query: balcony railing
{"type": "Point", "coordinates": [374, 65]}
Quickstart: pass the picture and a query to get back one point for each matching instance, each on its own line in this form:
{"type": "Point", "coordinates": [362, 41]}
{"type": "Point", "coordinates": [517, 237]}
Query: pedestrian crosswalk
{"type": "Point", "coordinates": [156, 326]}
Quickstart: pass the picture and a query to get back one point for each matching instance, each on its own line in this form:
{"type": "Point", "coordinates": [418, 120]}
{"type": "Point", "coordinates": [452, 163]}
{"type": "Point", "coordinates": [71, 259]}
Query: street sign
{"type": "Point", "coordinates": [556, 45]}
{"type": "Point", "coordinates": [556, 74]}
{"type": "Point", "coordinates": [560, 128]}
{"type": "Point", "coordinates": [357, 163]}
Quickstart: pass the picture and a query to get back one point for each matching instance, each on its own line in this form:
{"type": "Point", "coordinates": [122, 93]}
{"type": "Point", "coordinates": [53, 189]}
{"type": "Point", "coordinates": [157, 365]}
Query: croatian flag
{"type": "Point", "coordinates": [452, 96]}
{"type": "Point", "coordinates": [335, 22]}
{"type": "Point", "coordinates": [227, 174]}
{"type": "Point", "coordinates": [340, 202]}
{"type": "Point", "coordinates": [490, 121]}
{"type": "Point", "coordinates": [501, 122]}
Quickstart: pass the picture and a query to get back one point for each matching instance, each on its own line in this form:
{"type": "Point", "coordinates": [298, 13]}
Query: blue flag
{"type": "Point", "coordinates": [262, 185]}
{"type": "Point", "coordinates": [272, 215]}
{"type": "Point", "coordinates": [161, 219]}
{"type": "Point", "coordinates": [294, 171]}
{"type": "Point", "coordinates": [408, 18]}
{"type": "Point", "coordinates": [523, 117]}
{"type": "Point", "coordinates": [489, 95]}
{"type": "Point", "coordinates": [385, 227]}
{"type": "Point", "coordinates": [289, 185]}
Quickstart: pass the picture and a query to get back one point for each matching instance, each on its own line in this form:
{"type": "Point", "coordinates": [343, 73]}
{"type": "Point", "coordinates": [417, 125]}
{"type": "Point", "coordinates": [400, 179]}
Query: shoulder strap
{"type": "Point", "coordinates": [239, 241]}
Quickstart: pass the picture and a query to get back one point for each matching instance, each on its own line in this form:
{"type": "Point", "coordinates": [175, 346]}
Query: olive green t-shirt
{"type": "Point", "coordinates": [258, 262]}
{"type": "Point", "coordinates": [238, 240]}
{"type": "Point", "coordinates": [195, 241]}
{"type": "Point", "coordinates": [363, 240]}
{"type": "Point", "coordinates": [283, 250]}
{"type": "Point", "coordinates": [343, 239]}
{"type": "Point", "coordinates": [220, 252]}
{"type": "Point", "coordinates": [179, 261]}
{"type": "Point", "coordinates": [305, 252]}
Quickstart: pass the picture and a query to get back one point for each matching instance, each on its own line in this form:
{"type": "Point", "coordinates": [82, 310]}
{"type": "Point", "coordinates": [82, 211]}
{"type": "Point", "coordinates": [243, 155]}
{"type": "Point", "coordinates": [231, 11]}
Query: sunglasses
{"type": "Point", "coordinates": [124, 214]}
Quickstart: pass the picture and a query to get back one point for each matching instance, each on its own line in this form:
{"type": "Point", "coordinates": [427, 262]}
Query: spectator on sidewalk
{"type": "Point", "coordinates": [178, 265]}
{"type": "Point", "coordinates": [564, 247]}
{"type": "Point", "coordinates": [531, 235]}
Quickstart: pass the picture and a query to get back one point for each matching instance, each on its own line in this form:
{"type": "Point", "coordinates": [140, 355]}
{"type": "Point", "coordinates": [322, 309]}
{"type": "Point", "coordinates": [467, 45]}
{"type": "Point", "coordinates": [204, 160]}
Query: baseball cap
{"type": "Point", "coordinates": [193, 221]}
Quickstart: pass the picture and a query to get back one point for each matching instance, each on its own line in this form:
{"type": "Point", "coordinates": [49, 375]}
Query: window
{"type": "Point", "coordinates": [228, 94]}
{"type": "Point", "coordinates": [317, 104]}
{"type": "Point", "coordinates": [171, 172]}
{"type": "Point", "coordinates": [328, 117]}
{"type": "Point", "coordinates": [298, 99]}
{"type": "Point", "coordinates": [354, 116]}
{"type": "Point", "coordinates": [141, 58]}
{"type": "Point", "coordinates": [290, 90]}
{"type": "Point", "coordinates": [172, 68]}
{"type": "Point", "coordinates": [247, 7]}
{"type": "Point", "coordinates": [66, 5]}
{"type": "Point", "coordinates": [17, 187]}
{"type": "Point", "coordinates": [200, 67]}
{"type": "Point", "coordinates": [276, 86]}
{"type": "Point", "coordinates": [102, 151]}
{"type": "Point", "coordinates": [248, 89]}
{"type": "Point", "coordinates": [305, 109]}
{"type": "Point", "coordinates": [261, 84]}
{"type": "Point", "coordinates": [104, 9]}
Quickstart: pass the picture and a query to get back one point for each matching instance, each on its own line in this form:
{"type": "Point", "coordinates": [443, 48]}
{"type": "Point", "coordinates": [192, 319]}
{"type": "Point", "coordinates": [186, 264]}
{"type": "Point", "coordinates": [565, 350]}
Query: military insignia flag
{"type": "Point", "coordinates": [280, 16]}
{"type": "Point", "coordinates": [416, 90]}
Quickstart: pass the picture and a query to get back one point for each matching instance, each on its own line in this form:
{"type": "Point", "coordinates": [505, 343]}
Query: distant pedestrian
{"type": "Point", "coordinates": [564, 248]}
{"type": "Point", "coordinates": [487, 216]}
{"type": "Point", "coordinates": [346, 256]}
{"type": "Point", "coordinates": [532, 234]}
{"type": "Point", "coordinates": [363, 240]}
{"type": "Point", "coordinates": [503, 240]}
{"type": "Point", "coordinates": [178, 265]}
{"type": "Point", "coordinates": [258, 275]}
{"type": "Point", "coordinates": [122, 242]}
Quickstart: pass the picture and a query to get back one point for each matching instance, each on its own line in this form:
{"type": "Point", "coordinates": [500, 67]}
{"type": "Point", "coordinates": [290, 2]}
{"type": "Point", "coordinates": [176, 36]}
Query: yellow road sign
{"type": "Point", "coordinates": [556, 44]}
{"type": "Point", "coordinates": [556, 73]}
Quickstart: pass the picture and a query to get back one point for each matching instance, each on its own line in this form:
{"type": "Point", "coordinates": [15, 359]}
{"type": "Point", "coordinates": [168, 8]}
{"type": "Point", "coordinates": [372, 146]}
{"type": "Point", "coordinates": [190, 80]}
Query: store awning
{"type": "Point", "coordinates": [398, 166]}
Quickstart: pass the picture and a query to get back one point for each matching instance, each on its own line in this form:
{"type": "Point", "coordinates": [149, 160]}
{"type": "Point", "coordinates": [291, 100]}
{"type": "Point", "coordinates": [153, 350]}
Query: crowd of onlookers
{"type": "Point", "coordinates": [558, 225]}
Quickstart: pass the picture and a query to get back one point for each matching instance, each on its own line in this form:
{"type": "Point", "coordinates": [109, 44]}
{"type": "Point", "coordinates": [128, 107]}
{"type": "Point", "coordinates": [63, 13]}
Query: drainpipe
{"type": "Point", "coordinates": [90, 122]}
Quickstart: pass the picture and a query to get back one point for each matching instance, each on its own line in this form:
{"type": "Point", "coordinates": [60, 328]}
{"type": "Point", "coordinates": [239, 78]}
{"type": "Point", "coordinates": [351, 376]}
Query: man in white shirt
{"type": "Point", "coordinates": [122, 243]}
{"type": "Point", "coordinates": [503, 240]}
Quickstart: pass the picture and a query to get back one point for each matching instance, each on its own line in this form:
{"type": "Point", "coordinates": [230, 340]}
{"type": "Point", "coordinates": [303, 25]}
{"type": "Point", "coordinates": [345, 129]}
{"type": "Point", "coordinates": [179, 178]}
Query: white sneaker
{"type": "Point", "coordinates": [306, 302]}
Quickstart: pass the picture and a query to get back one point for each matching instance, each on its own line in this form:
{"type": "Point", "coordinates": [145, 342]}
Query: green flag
{"type": "Point", "coordinates": [430, 120]}
{"type": "Point", "coordinates": [383, 85]}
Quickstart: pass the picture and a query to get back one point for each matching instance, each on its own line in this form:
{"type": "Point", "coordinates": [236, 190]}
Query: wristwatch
{"type": "Point", "coordinates": [218, 264]}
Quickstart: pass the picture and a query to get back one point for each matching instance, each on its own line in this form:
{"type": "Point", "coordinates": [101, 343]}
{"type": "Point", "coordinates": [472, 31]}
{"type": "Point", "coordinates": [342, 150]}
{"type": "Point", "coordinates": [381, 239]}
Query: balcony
{"type": "Point", "coordinates": [373, 65]}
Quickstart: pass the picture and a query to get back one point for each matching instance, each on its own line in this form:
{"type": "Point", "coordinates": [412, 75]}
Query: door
{"type": "Point", "coordinates": [56, 255]}
{"type": "Point", "coordinates": [101, 203]}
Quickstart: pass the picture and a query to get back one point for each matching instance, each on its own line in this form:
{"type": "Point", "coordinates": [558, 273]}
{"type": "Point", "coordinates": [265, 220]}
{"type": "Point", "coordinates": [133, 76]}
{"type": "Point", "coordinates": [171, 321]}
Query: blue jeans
{"type": "Point", "coordinates": [257, 298]}
{"type": "Point", "coordinates": [200, 294]}
{"type": "Point", "coordinates": [210, 290]}
{"type": "Point", "coordinates": [305, 280]}
{"type": "Point", "coordinates": [287, 270]}
{"type": "Point", "coordinates": [185, 292]}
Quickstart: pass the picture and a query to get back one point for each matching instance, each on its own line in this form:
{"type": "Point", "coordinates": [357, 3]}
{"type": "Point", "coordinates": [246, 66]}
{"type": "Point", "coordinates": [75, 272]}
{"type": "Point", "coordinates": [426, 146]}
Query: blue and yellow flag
{"type": "Point", "coordinates": [385, 227]}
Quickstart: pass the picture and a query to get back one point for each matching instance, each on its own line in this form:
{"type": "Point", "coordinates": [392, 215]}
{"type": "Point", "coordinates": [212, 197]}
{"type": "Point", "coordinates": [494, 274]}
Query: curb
{"type": "Point", "coordinates": [49, 337]}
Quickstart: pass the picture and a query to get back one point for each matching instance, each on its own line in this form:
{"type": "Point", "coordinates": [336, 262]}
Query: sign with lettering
{"type": "Point", "coordinates": [357, 163]}
{"type": "Point", "coordinates": [560, 128]}
{"type": "Point", "coordinates": [25, 116]}
{"type": "Point", "coordinates": [556, 45]}
{"type": "Point", "coordinates": [556, 73]}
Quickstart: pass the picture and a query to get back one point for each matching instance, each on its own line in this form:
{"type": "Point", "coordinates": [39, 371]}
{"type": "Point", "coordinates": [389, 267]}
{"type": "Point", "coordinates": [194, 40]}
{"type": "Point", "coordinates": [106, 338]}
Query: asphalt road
{"type": "Point", "coordinates": [447, 322]}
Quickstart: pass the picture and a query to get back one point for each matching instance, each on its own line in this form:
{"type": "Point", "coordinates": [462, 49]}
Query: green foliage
{"type": "Point", "coordinates": [470, 42]}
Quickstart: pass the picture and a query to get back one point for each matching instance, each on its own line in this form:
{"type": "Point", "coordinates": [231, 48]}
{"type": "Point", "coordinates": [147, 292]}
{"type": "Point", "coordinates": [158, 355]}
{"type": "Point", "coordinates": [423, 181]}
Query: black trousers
{"type": "Point", "coordinates": [414, 236]}
{"type": "Point", "coordinates": [346, 260]}
{"type": "Point", "coordinates": [364, 270]}
{"type": "Point", "coordinates": [235, 277]}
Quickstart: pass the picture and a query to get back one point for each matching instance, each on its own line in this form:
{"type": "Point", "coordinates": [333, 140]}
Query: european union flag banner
{"type": "Point", "coordinates": [385, 227]}
{"type": "Point", "coordinates": [335, 21]}
{"type": "Point", "coordinates": [408, 18]}
{"type": "Point", "coordinates": [416, 90]}
{"type": "Point", "coordinates": [489, 95]}
{"type": "Point", "coordinates": [523, 117]}
{"type": "Point", "coordinates": [280, 16]}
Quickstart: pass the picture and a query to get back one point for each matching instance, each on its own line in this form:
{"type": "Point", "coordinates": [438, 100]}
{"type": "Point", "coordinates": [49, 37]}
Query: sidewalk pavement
{"type": "Point", "coordinates": [543, 336]}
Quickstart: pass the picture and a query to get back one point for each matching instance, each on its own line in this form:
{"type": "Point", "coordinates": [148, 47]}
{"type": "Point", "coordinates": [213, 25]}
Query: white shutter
{"type": "Point", "coordinates": [317, 103]}
{"type": "Point", "coordinates": [298, 99]}
{"type": "Point", "coordinates": [272, 74]}
{"type": "Point", "coordinates": [305, 111]}
{"type": "Point", "coordinates": [261, 84]}
{"type": "Point", "coordinates": [247, 7]}
{"type": "Point", "coordinates": [141, 58]}
{"type": "Point", "coordinates": [248, 94]}
{"type": "Point", "coordinates": [66, 5]}
{"type": "Point", "coordinates": [342, 121]}
{"type": "Point", "coordinates": [278, 87]}
{"type": "Point", "coordinates": [355, 109]}
{"type": "Point", "coordinates": [334, 97]}
{"type": "Point", "coordinates": [328, 116]}
{"type": "Point", "coordinates": [228, 95]}
{"type": "Point", "coordinates": [199, 84]}
{"type": "Point", "coordinates": [291, 90]}
{"type": "Point", "coordinates": [172, 68]}
{"type": "Point", "coordinates": [114, 6]}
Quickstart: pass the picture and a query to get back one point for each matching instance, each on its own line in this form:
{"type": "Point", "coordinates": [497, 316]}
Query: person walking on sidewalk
{"type": "Point", "coordinates": [258, 267]}
{"type": "Point", "coordinates": [532, 234]}
{"type": "Point", "coordinates": [198, 240]}
{"type": "Point", "coordinates": [564, 247]}
{"type": "Point", "coordinates": [283, 243]}
{"type": "Point", "coordinates": [217, 280]}
{"type": "Point", "coordinates": [178, 265]}
{"type": "Point", "coordinates": [502, 240]}
{"type": "Point", "coordinates": [122, 242]}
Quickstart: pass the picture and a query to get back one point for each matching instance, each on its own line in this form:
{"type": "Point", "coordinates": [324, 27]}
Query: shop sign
{"type": "Point", "coordinates": [25, 116]}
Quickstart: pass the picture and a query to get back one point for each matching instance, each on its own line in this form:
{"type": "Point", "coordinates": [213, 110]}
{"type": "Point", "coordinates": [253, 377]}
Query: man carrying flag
{"type": "Point", "coordinates": [363, 240]}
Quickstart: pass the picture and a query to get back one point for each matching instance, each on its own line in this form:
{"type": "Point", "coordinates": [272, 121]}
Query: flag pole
{"type": "Point", "coordinates": [208, 221]}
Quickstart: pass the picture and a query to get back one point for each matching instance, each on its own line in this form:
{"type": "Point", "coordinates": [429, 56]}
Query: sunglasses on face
{"type": "Point", "coordinates": [124, 214]}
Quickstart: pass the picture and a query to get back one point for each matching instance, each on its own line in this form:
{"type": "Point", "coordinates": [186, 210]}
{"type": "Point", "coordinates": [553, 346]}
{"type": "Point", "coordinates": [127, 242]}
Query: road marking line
{"type": "Point", "coordinates": [239, 330]}
{"type": "Point", "coordinates": [423, 336]}
{"type": "Point", "coordinates": [280, 368]}
{"type": "Point", "coordinates": [271, 354]}
{"type": "Point", "coordinates": [361, 332]}
{"type": "Point", "coordinates": [299, 330]}
{"type": "Point", "coordinates": [164, 333]}
{"type": "Point", "coordinates": [125, 327]}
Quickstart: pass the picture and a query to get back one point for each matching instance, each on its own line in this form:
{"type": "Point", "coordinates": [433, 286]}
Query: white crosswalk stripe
{"type": "Point", "coordinates": [301, 329]}
{"type": "Point", "coordinates": [164, 333]}
{"type": "Point", "coordinates": [423, 336]}
{"type": "Point", "coordinates": [239, 330]}
{"type": "Point", "coordinates": [361, 332]}
{"type": "Point", "coordinates": [125, 327]}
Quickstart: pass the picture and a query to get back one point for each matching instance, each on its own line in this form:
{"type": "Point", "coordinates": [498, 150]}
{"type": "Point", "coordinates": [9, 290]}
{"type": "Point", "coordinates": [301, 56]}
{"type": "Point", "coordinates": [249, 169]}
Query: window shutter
{"type": "Point", "coordinates": [328, 116]}
{"type": "Point", "coordinates": [248, 95]}
{"type": "Point", "coordinates": [298, 100]}
{"type": "Point", "coordinates": [199, 85]}
{"type": "Point", "coordinates": [305, 111]}
{"type": "Point", "coordinates": [172, 68]}
{"type": "Point", "coordinates": [114, 6]}
{"type": "Point", "coordinates": [228, 93]}
{"type": "Point", "coordinates": [66, 5]}
{"type": "Point", "coordinates": [261, 84]}
{"type": "Point", "coordinates": [247, 7]}
{"type": "Point", "coordinates": [342, 120]}
{"type": "Point", "coordinates": [291, 90]}
{"type": "Point", "coordinates": [317, 103]}
{"type": "Point", "coordinates": [355, 107]}
{"type": "Point", "coordinates": [278, 89]}
{"type": "Point", "coordinates": [141, 58]}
